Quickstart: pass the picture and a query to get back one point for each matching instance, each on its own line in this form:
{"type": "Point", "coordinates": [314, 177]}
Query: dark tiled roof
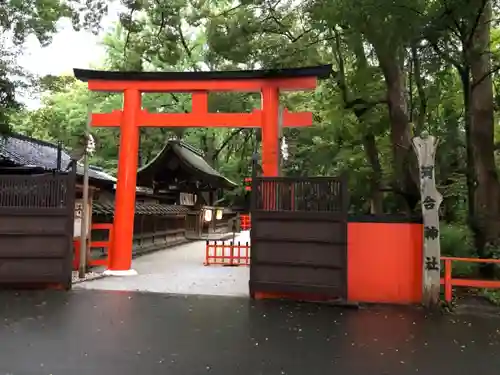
{"type": "Point", "coordinates": [99, 208]}
{"type": "Point", "coordinates": [26, 151]}
{"type": "Point", "coordinates": [196, 160]}
{"type": "Point", "coordinates": [190, 156]}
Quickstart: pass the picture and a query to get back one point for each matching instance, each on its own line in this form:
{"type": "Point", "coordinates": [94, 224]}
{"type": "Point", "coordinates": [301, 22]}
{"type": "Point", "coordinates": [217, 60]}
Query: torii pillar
{"type": "Point", "coordinates": [132, 84]}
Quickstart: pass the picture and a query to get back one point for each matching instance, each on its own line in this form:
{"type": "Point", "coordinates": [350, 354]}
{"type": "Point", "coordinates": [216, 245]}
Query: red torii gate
{"type": "Point", "coordinates": [133, 84]}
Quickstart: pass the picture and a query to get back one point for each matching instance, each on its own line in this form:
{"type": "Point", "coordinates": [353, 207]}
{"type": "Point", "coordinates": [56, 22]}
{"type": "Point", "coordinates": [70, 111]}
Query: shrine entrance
{"type": "Point", "coordinates": [132, 84]}
{"type": "Point", "coordinates": [299, 237]}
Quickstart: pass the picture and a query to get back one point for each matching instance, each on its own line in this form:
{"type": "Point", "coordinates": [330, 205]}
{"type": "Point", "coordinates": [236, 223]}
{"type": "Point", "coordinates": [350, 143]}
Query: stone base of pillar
{"type": "Point", "coordinates": [120, 273]}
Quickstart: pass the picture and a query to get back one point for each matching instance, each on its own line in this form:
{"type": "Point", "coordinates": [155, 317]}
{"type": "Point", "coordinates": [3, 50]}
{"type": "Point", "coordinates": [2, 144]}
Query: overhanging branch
{"type": "Point", "coordinates": [447, 57]}
{"type": "Point", "coordinates": [475, 25]}
{"type": "Point", "coordinates": [233, 134]}
{"type": "Point", "coordinates": [480, 80]}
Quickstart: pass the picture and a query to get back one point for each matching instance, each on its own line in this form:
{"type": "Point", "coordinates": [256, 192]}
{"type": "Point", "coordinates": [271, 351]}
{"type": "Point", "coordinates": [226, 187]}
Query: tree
{"type": "Point", "coordinates": [18, 19]}
{"type": "Point", "coordinates": [460, 35]}
{"type": "Point", "coordinates": [8, 103]}
{"type": "Point", "coordinates": [388, 84]}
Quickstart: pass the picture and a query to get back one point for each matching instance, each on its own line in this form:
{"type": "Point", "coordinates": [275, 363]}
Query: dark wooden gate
{"type": "Point", "coordinates": [299, 236]}
{"type": "Point", "coordinates": [36, 228]}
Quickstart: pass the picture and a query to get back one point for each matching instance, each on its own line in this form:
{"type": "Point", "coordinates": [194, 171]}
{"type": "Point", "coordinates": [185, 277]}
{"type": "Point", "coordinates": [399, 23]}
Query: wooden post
{"type": "Point", "coordinates": [280, 140]}
{"type": "Point", "coordinates": [89, 230]}
{"type": "Point", "coordinates": [425, 147]}
{"type": "Point", "coordinates": [84, 235]}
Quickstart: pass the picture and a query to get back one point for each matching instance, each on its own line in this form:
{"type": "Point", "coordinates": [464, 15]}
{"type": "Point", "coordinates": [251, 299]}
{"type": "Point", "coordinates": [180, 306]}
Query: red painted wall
{"type": "Point", "coordinates": [384, 262]}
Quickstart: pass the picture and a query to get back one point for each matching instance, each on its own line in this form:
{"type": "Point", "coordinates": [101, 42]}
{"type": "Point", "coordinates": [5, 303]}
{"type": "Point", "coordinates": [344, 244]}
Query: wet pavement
{"type": "Point", "coordinates": [97, 332]}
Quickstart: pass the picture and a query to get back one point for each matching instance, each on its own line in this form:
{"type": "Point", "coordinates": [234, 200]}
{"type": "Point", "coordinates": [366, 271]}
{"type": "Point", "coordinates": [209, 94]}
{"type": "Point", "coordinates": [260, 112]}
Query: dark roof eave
{"type": "Point", "coordinates": [320, 72]}
{"type": "Point", "coordinates": [217, 181]}
{"type": "Point", "coordinates": [21, 150]}
{"type": "Point", "coordinates": [230, 184]}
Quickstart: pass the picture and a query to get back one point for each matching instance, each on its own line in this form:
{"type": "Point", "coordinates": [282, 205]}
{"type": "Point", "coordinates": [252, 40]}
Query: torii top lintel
{"type": "Point", "coordinates": [268, 82]}
{"type": "Point", "coordinates": [293, 79]}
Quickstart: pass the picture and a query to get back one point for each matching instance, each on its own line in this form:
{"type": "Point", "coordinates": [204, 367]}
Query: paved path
{"type": "Point", "coordinates": [126, 333]}
{"type": "Point", "coordinates": [179, 270]}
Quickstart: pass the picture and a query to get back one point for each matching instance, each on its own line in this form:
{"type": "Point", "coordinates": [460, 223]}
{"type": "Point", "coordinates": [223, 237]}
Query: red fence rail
{"type": "Point", "coordinates": [94, 244]}
{"type": "Point", "coordinates": [449, 282]}
{"type": "Point", "coordinates": [245, 222]}
{"type": "Point", "coordinates": [227, 253]}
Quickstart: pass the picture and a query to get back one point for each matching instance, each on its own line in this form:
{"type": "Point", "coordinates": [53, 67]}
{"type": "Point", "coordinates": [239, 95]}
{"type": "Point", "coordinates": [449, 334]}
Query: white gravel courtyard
{"type": "Point", "coordinates": [179, 270]}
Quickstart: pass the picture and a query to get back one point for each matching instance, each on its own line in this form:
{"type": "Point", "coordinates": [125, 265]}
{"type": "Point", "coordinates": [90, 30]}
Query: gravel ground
{"type": "Point", "coordinates": [179, 270]}
{"type": "Point", "coordinates": [93, 275]}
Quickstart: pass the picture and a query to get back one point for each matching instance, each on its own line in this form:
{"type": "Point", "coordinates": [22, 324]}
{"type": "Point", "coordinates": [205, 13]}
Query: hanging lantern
{"type": "Point", "coordinates": [207, 215]}
{"type": "Point", "coordinates": [86, 144]}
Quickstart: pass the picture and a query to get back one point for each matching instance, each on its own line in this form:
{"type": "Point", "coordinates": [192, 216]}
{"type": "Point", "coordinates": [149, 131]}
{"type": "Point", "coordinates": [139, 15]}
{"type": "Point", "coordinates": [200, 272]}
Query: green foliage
{"type": "Point", "coordinates": [493, 295]}
{"type": "Point", "coordinates": [8, 103]}
{"type": "Point", "coordinates": [39, 17]}
{"type": "Point", "coordinates": [369, 43]}
{"type": "Point", "coordinates": [21, 18]}
{"type": "Point", "coordinates": [457, 241]}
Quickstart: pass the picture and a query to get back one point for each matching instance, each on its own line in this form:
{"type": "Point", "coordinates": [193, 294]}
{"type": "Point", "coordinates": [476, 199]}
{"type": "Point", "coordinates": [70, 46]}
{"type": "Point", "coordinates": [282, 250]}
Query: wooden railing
{"type": "Point", "coordinates": [449, 281]}
{"type": "Point", "coordinates": [227, 253]}
{"type": "Point", "coordinates": [95, 244]}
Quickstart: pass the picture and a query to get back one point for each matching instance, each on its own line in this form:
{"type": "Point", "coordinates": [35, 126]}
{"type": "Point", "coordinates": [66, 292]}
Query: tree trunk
{"type": "Point", "coordinates": [369, 141]}
{"type": "Point", "coordinates": [487, 187]}
{"type": "Point", "coordinates": [405, 174]}
{"type": "Point", "coordinates": [451, 161]}
{"type": "Point", "coordinates": [377, 197]}
{"type": "Point", "coordinates": [208, 146]}
{"type": "Point", "coordinates": [470, 171]}
{"type": "Point", "coordinates": [419, 81]}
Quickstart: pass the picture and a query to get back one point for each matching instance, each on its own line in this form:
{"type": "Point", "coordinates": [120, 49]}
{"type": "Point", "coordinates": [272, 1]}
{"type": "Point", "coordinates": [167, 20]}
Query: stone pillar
{"type": "Point", "coordinates": [425, 147]}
